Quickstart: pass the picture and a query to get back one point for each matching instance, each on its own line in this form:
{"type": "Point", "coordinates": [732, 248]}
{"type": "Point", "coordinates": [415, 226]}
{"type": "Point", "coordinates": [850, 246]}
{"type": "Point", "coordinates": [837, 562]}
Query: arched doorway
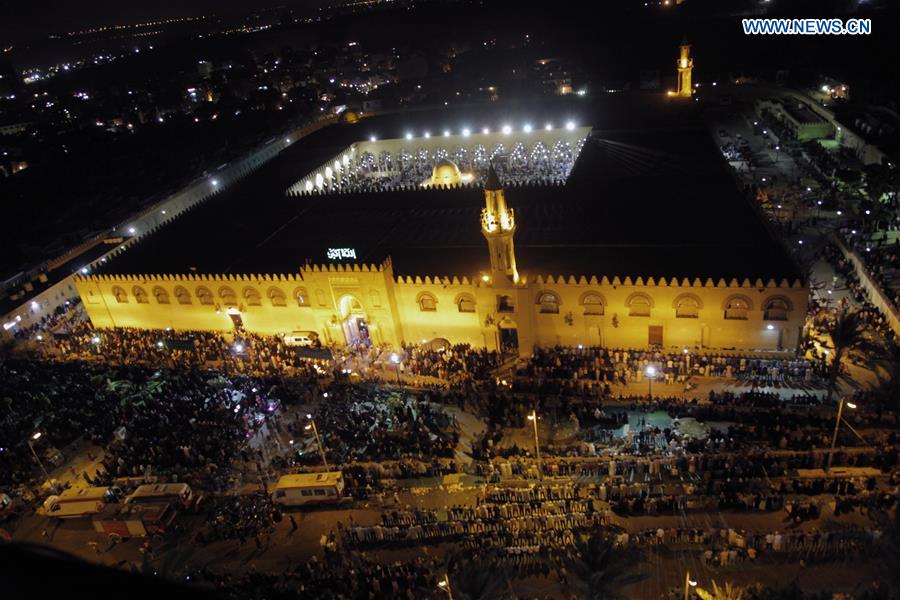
{"type": "Point", "coordinates": [353, 319]}
{"type": "Point", "coordinates": [236, 319]}
{"type": "Point", "coordinates": [508, 336]}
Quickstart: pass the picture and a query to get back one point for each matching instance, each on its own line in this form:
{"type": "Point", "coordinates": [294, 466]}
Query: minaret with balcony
{"type": "Point", "coordinates": [685, 65]}
{"type": "Point", "coordinates": [498, 225]}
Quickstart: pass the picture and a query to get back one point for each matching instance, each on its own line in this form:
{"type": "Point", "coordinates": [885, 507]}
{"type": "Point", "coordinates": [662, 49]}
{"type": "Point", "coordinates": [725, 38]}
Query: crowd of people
{"type": "Point", "coordinates": [357, 576]}
{"type": "Point", "coordinates": [876, 244]}
{"type": "Point", "coordinates": [372, 423]}
{"type": "Point", "coordinates": [455, 364]}
{"type": "Point", "coordinates": [175, 424]}
{"type": "Point", "coordinates": [246, 353]}
{"type": "Point", "coordinates": [515, 166]}
{"type": "Point", "coordinates": [597, 365]}
{"type": "Point", "coordinates": [723, 547]}
{"type": "Point", "coordinates": [241, 518]}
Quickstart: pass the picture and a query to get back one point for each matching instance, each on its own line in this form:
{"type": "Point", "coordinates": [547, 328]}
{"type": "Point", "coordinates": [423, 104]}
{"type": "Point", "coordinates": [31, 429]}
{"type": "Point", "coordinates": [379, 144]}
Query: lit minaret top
{"type": "Point", "coordinates": [685, 64]}
{"type": "Point", "coordinates": [498, 225]}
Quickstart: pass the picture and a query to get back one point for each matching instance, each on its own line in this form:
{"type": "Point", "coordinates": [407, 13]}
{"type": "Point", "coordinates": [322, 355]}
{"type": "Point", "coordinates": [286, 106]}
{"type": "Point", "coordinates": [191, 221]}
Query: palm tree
{"type": "Point", "coordinates": [729, 592]}
{"type": "Point", "coordinates": [600, 568]}
{"type": "Point", "coordinates": [473, 580]}
{"type": "Point", "coordinates": [845, 335]}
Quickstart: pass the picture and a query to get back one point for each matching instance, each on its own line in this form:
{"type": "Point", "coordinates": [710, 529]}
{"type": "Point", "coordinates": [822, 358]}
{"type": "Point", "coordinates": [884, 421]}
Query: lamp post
{"type": "Point", "coordinates": [688, 584]}
{"type": "Point", "coordinates": [395, 358]}
{"type": "Point", "coordinates": [837, 425]}
{"type": "Point", "coordinates": [537, 447]}
{"type": "Point", "coordinates": [650, 371]}
{"type": "Point", "coordinates": [444, 584]}
{"type": "Point", "coordinates": [315, 430]}
{"type": "Point", "coordinates": [35, 437]}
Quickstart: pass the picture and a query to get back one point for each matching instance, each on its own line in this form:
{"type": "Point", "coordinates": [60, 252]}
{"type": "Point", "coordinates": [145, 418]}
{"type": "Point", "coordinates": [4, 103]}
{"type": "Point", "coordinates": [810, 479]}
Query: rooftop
{"type": "Point", "coordinates": [649, 196]}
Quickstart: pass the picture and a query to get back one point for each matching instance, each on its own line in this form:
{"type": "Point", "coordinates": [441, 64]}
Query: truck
{"type": "Point", "coordinates": [72, 503]}
{"type": "Point", "coordinates": [178, 493]}
{"type": "Point", "coordinates": [123, 521]}
{"type": "Point", "coordinates": [309, 488]}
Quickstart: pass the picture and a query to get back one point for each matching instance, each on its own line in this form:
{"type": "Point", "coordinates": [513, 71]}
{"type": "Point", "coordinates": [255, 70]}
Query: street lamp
{"type": "Point", "coordinates": [650, 371]}
{"type": "Point", "coordinates": [537, 447]}
{"type": "Point", "coordinates": [688, 584]}
{"type": "Point", "coordinates": [34, 438]}
{"type": "Point", "coordinates": [444, 584]}
{"type": "Point", "coordinates": [315, 430]}
{"type": "Point", "coordinates": [395, 358]}
{"type": "Point", "coordinates": [837, 425]}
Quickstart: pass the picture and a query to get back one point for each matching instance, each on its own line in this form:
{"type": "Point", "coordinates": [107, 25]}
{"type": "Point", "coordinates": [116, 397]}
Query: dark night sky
{"type": "Point", "coordinates": [26, 19]}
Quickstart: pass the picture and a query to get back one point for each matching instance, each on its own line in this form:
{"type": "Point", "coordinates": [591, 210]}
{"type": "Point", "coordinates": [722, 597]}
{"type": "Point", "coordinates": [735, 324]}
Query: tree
{"type": "Point", "coordinates": [845, 335]}
{"type": "Point", "coordinates": [473, 580]}
{"type": "Point", "coordinates": [600, 568]}
{"type": "Point", "coordinates": [728, 592]}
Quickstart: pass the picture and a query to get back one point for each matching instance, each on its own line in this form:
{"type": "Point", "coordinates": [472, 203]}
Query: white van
{"type": "Point", "coordinates": [305, 339]}
{"type": "Point", "coordinates": [180, 493]}
{"type": "Point", "coordinates": [73, 503]}
{"type": "Point", "coordinates": [309, 488]}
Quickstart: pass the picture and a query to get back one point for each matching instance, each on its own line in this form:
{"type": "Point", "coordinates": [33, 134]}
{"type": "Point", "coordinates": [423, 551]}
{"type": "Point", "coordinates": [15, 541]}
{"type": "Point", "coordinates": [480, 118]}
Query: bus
{"type": "Point", "coordinates": [73, 503]}
{"type": "Point", "coordinates": [309, 488]}
{"type": "Point", "coordinates": [179, 493]}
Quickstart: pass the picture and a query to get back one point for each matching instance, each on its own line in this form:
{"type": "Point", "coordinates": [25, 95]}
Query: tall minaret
{"type": "Point", "coordinates": [498, 225]}
{"type": "Point", "coordinates": [685, 64]}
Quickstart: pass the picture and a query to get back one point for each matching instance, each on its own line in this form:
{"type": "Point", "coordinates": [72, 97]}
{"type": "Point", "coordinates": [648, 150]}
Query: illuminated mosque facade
{"type": "Point", "coordinates": [504, 307]}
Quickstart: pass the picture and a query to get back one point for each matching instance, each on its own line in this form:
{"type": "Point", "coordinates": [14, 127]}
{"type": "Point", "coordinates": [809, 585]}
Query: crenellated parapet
{"type": "Point", "coordinates": [416, 280]}
{"type": "Point", "coordinates": [745, 283]}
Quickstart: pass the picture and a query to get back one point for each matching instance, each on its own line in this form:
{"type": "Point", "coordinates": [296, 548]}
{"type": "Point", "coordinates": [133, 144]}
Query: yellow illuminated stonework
{"type": "Point", "coordinates": [503, 309]}
{"type": "Point", "coordinates": [446, 173]}
{"type": "Point", "coordinates": [685, 66]}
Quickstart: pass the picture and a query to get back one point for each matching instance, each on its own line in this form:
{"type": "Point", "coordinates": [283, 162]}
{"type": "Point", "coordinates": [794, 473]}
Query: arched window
{"type": "Point", "coordinates": [776, 309]}
{"type": "Point", "coordinates": [639, 305]}
{"type": "Point", "coordinates": [737, 308]}
{"type": "Point", "coordinates": [205, 296]}
{"type": "Point", "coordinates": [593, 304]}
{"type": "Point", "coordinates": [252, 297]}
{"type": "Point", "coordinates": [182, 295]}
{"type": "Point", "coordinates": [687, 307]}
{"type": "Point", "coordinates": [427, 302]}
{"type": "Point", "coordinates": [548, 303]}
{"type": "Point", "coordinates": [121, 296]}
{"type": "Point", "coordinates": [465, 303]}
{"type": "Point", "coordinates": [229, 298]}
{"type": "Point", "coordinates": [140, 295]}
{"type": "Point", "coordinates": [301, 296]}
{"type": "Point", "coordinates": [161, 295]}
{"type": "Point", "coordinates": [276, 297]}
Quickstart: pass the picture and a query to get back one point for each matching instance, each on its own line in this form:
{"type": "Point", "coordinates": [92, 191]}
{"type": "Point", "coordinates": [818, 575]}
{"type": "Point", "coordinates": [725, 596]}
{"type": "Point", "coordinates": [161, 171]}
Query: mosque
{"type": "Point", "coordinates": [637, 237]}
